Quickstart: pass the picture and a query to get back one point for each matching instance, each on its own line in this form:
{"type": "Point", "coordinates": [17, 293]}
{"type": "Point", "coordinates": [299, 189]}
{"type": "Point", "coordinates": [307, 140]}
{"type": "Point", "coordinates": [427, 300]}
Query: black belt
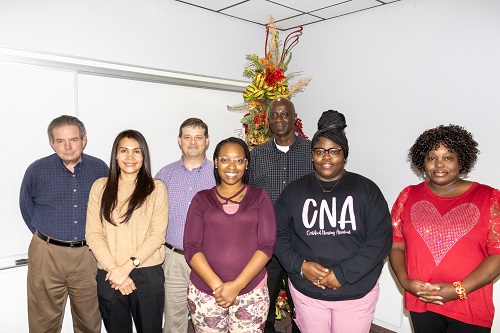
{"type": "Point", "coordinates": [170, 247]}
{"type": "Point", "coordinates": [59, 242]}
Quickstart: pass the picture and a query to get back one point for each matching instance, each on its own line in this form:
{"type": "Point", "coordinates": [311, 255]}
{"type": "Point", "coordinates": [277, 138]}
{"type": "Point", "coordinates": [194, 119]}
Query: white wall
{"type": "Point", "coordinates": [396, 71]}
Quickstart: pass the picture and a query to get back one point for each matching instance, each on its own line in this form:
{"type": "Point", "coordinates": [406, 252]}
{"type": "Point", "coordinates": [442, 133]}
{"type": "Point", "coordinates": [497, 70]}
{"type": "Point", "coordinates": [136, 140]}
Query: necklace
{"type": "Point", "coordinates": [230, 199]}
{"type": "Point", "coordinates": [328, 191]}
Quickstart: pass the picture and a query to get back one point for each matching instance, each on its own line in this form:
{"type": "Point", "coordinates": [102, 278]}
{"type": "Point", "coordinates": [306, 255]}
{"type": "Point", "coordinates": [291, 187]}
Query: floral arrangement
{"type": "Point", "coordinates": [282, 306]}
{"type": "Point", "coordinates": [268, 83]}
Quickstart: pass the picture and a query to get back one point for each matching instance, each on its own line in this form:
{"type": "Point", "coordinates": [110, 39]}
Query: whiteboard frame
{"type": "Point", "coordinates": [119, 70]}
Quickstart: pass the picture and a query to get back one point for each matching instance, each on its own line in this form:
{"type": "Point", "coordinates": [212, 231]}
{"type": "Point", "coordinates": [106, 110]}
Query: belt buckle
{"type": "Point", "coordinates": [76, 244]}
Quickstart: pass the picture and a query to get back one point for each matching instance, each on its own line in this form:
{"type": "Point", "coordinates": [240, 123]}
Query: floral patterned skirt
{"type": "Point", "coordinates": [249, 316]}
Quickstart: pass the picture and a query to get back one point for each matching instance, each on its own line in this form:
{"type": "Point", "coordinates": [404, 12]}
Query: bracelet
{"type": "Point", "coordinates": [301, 273]}
{"type": "Point", "coordinates": [460, 290]}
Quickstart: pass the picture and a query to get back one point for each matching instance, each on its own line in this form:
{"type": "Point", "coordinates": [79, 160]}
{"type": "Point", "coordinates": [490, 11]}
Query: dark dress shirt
{"type": "Point", "coordinates": [53, 200]}
{"type": "Point", "coordinates": [272, 169]}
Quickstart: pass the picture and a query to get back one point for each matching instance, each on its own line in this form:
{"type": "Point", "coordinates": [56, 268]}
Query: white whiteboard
{"type": "Point", "coordinates": [31, 96]}
{"type": "Point", "coordinates": [108, 106]}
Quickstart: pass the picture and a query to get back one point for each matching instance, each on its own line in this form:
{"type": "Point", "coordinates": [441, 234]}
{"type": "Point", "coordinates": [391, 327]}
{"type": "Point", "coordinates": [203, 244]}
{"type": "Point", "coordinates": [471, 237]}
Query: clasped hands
{"type": "Point", "coordinates": [320, 276]}
{"type": "Point", "coordinates": [435, 293]}
{"type": "Point", "coordinates": [118, 278]}
{"type": "Point", "coordinates": [226, 294]}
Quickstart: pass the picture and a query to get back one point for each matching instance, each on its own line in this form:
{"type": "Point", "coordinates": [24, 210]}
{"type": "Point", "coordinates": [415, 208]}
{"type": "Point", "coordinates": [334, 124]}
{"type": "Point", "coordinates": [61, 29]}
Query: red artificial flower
{"type": "Point", "coordinates": [273, 77]}
{"type": "Point", "coordinates": [264, 118]}
{"type": "Point", "coordinates": [245, 126]}
{"type": "Point", "coordinates": [298, 128]}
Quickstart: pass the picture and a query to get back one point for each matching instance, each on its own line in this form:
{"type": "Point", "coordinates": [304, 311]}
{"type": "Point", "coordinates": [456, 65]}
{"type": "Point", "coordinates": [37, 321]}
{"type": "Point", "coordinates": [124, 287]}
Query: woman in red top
{"type": "Point", "coordinates": [446, 248]}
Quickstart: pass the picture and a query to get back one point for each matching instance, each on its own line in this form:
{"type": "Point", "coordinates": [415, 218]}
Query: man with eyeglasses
{"type": "Point", "coordinates": [273, 166]}
{"type": "Point", "coordinates": [184, 178]}
{"type": "Point", "coordinates": [53, 201]}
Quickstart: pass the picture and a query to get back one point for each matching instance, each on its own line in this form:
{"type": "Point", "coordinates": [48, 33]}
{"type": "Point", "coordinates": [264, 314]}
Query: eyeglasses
{"type": "Point", "coordinates": [319, 152]}
{"type": "Point", "coordinates": [224, 160]}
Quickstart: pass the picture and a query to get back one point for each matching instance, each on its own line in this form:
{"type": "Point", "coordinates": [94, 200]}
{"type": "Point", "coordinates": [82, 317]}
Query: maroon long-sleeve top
{"type": "Point", "coordinates": [229, 241]}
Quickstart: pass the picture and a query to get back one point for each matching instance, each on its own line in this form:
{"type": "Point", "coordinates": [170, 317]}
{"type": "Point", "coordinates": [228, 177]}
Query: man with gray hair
{"type": "Point", "coordinates": [53, 201]}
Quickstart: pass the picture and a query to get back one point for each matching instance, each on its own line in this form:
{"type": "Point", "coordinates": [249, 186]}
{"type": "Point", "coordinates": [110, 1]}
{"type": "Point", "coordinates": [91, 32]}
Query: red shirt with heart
{"type": "Point", "coordinates": [446, 239]}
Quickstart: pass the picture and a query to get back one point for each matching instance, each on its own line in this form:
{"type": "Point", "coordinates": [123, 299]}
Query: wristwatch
{"type": "Point", "coordinates": [135, 261]}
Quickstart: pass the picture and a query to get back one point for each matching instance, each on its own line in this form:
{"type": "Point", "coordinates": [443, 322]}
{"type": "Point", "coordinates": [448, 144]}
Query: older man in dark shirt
{"type": "Point", "coordinates": [53, 201]}
{"type": "Point", "coordinates": [273, 166]}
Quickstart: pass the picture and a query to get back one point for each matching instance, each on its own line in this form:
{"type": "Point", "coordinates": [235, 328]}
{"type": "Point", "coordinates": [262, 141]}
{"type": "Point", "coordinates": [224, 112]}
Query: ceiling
{"type": "Point", "coordinates": [287, 13]}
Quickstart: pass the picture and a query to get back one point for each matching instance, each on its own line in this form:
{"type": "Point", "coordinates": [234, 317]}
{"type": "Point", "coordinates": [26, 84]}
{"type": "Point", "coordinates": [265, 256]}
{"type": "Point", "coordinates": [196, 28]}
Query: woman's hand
{"type": "Point", "coordinates": [437, 293]}
{"type": "Point", "coordinates": [425, 291]}
{"type": "Point", "coordinates": [128, 287]}
{"type": "Point", "coordinates": [330, 281]}
{"type": "Point", "coordinates": [119, 274]}
{"type": "Point", "coordinates": [314, 272]}
{"type": "Point", "coordinates": [225, 294]}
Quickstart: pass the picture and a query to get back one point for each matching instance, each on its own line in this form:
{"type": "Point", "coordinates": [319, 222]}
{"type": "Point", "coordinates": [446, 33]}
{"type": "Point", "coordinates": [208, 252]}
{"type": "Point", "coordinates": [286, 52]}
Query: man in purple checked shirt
{"type": "Point", "coordinates": [184, 178]}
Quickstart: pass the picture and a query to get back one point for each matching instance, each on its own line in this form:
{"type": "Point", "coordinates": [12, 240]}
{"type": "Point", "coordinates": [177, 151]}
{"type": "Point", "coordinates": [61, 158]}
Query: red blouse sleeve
{"type": "Point", "coordinates": [493, 243]}
{"type": "Point", "coordinates": [396, 213]}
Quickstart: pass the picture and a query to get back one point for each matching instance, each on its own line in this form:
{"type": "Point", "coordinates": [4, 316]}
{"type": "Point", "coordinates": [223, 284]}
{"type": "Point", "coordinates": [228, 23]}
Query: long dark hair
{"type": "Point", "coordinates": [246, 175]}
{"type": "Point", "coordinates": [144, 183]}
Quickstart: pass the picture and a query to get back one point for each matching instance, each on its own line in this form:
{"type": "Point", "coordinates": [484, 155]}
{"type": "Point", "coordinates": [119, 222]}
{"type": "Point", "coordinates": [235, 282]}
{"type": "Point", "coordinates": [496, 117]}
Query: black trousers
{"type": "Point", "coordinates": [276, 274]}
{"type": "Point", "coordinates": [144, 305]}
{"type": "Point", "coordinates": [431, 322]}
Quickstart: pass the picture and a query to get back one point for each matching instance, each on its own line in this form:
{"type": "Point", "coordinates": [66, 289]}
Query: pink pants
{"type": "Point", "coordinates": [314, 316]}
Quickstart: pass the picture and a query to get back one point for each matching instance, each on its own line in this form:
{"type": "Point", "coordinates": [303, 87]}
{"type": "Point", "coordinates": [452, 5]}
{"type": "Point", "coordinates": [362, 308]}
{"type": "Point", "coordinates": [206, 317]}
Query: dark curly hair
{"type": "Point", "coordinates": [246, 175]}
{"type": "Point", "coordinates": [453, 137]}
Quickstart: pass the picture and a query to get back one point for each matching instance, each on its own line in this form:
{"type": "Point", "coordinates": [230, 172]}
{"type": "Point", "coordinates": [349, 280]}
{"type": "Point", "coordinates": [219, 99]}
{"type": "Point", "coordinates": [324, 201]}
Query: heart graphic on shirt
{"type": "Point", "coordinates": [440, 233]}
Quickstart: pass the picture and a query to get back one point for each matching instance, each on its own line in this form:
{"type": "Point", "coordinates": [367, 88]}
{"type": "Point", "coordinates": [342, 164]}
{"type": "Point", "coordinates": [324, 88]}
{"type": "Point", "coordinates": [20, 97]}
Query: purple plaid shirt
{"type": "Point", "coordinates": [182, 185]}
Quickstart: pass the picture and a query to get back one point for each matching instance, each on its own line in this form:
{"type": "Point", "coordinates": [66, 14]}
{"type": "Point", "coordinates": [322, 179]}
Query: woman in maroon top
{"type": "Point", "coordinates": [446, 249]}
{"type": "Point", "coordinates": [229, 238]}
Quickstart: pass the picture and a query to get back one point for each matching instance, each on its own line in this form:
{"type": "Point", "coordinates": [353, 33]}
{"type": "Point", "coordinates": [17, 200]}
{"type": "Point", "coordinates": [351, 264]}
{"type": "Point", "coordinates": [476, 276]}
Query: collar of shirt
{"type": "Point", "coordinates": [198, 169]}
{"type": "Point", "coordinates": [78, 166]}
{"type": "Point", "coordinates": [285, 149]}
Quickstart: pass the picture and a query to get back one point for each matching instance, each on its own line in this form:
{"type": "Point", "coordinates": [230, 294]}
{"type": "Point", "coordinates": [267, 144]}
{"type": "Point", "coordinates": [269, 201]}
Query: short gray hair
{"type": "Point", "coordinates": [65, 120]}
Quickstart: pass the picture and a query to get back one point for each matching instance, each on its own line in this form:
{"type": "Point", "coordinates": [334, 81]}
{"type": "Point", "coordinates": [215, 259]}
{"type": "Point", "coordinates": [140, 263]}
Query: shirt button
{"type": "Point", "coordinates": [75, 222]}
{"type": "Point", "coordinates": [75, 206]}
{"type": "Point", "coordinates": [74, 175]}
{"type": "Point", "coordinates": [74, 190]}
